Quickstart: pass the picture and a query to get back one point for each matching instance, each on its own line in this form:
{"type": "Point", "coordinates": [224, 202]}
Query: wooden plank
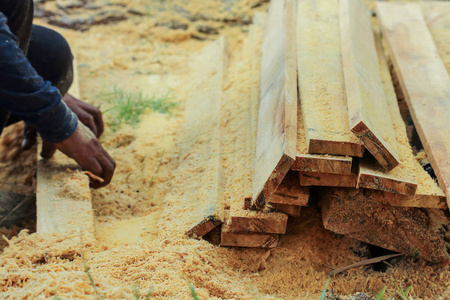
{"type": "Point", "coordinates": [361, 215]}
{"type": "Point", "coordinates": [247, 221]}
{"type": "Point", "coordinates": [424, 201]}
{"type": "Point", "coordinates": [323, 164]}
{"type": "Point", "coordinates": [290, 192]}
{"type": "Point", "coordinates": [229, 238]}
{"type": "Point", "coordinates": [424, 80]}
{"type": "Point", "coordinates": [201, 135]}
{"type": "Point", "coordinates": [290, 210]}
{"type": "Point", "coordinates": [63, 196]}
{"type": "Point", "coordinates": [321, 81]}
{"type": "Point", "coordinates": [277, 118]}
{"type": "Point", "coordinates": [404, 178]}
{"type": "Point", "coordinates": [321, 179]}
{"type": "Point", "coordinates": [366, 100]}
{"type": "Point", "coordinates": [370, 177]}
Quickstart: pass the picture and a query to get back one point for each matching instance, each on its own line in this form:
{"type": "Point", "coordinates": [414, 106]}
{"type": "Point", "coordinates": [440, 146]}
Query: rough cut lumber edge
{"type": "Point", "coordinates": [321, 82]}
{"type": "Point", "coordinates": [335, 180]}
{"type": "Point", "coordinates": [258, 222]}
{"type": "Point", "coordinates": [203, 117]}
{"type": "Point", "coordinates": [369, 178]}
{"type": "Point", "coordinates": [323, 164]}
{"type": "Point", "coordinates": [361, 215]}
{"type": "Point", "coordinates": [290, 192]}
{"type": "Point", "coordinates": [277, 119]}
{"type": "Point", "coordinates": [290, 210]}
{"type": "Point", "coordinates": [421, 201]}
{"type": "Point", "coordinates": [57, 215]}
{"type": "Point", "coordinates": [233, 239]}
{"type": "Point", "coordinates": [424, 81]}
{"type": "Point", "coordinates": [366, 101]}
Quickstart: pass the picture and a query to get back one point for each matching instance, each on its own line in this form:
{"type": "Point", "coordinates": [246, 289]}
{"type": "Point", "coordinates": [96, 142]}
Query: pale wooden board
{"type": "Point", "coordinates": [321, 81]}
{"type": "Point", "coordinates": [366, 101]}
{"type": "Point", "coordinates": [277, 118]}
{"type": "Point", "coordinates": [230, 238]}
{"type": "Point", "coordinates": [64, 211]}
{"type": "Point", "coordinates": [290, 192]}
{"type": "Point", "coordinates": [403, 178]}
{"type": "Point", "coordinates": [201, 140]}
{"type": "Point", "coordinates": [323, 164]}
{"type": "Point", "coordinates": [418, 200]}
{"type": "Point", "coordinates": [424, 80]}
{"type": "Point", "coordinates": [370, 177]}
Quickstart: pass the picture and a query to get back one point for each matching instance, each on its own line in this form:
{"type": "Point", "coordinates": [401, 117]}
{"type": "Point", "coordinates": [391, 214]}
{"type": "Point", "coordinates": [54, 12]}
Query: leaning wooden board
{"type": "Point", "coordinates": [201, 144]}
{"type": "Point", "coordinates": [63, 196]}
{"type": "Point", "coordinates": [366, 101]}
{"type": "Point", "coordinates": [277, 119]}
{"type": "Point", "coordinates": [424, 80]}
{"type": "Point", "coordinates": [321, 81]}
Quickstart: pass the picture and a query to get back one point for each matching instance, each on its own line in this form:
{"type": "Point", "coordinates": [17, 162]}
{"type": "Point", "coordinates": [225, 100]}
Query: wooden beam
{"type": "Point", "coordinates": [322, 179]}
{"type": "Point", "coordinates": [247, 240]}
{"type": "Point", "coordinates": [321, 81]}
{"type": "Point", "coordinates": [323, 164]}
{"type": "Point", "coordinates": [277, 119]}
{"type": "Point", "coordinates": [366, 101]}
{"type": "Point", "coordinates": [201, 136]}
{"type": "Point", "coordinates": [290, 192]}
{"type": "Point", "coordinates": [424, 80]}
{"type": "Point", "coordinates": [290, 210]}
{"type": "Point", "coordinates": [247, 221]}
{"type": "Point", "coordinates": [63, 196]}
{"type": "Point", "coordinates": [437, 201]}
{"type": "Point", "coordinates": [371, 177]}
{"type": "Point", "coordinates": [361, 215]}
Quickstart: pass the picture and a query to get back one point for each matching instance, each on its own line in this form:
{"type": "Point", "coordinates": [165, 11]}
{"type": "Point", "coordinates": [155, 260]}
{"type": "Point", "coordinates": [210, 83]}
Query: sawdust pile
{"type": "Point", "coordinates": [136, 217]}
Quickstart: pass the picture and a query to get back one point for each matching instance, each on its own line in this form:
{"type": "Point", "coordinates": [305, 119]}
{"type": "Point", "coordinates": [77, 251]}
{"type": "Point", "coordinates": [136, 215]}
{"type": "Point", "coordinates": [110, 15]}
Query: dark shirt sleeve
{"type": "Point", "coordinates": [25, 94]}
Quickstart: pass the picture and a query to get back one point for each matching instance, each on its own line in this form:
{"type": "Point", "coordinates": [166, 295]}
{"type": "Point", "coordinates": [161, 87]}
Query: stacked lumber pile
{"type": "Point", "coordinates": [323, 112]}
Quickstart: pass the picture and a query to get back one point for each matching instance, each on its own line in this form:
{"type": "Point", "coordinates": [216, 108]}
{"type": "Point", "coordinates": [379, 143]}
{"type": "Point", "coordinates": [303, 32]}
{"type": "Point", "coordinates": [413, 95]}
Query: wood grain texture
{"type": "Point", "coordinates": [322, 179]}
{"type": "Point", "coordinates": [424, 81]}
{"type": "Point", "coordinates": [277, 119]}
{"type": "Point", "coordinates": [201, 141]}
{"type": "Point", "coordinates": [323, 164]}
{"type": "Point", "coordinates": [370, 177]}
{"type": "Point", "coordinates": [361, 215]}
{"type": "Point", "coordinates": [423, 201]}
{"type": "Point", "coordinates": [290, 210]}
{"type": "Point", "coordinates": [247, 221]}
{"type": "Point", "coordinates": [290, 192]}
{"type": "Point", "coordinates": [229, 238]}
{"type": "Point", "coordinates": [321, 81]}
{"type": "Point", "coordinates": [366, 101]}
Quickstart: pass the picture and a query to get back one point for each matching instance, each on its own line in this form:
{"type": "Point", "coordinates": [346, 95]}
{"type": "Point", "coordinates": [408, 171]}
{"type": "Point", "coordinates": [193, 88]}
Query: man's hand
{"type": "Point", "coordinates": [89, 115]}
{"type": "Point", "coordinates": [86, 150]}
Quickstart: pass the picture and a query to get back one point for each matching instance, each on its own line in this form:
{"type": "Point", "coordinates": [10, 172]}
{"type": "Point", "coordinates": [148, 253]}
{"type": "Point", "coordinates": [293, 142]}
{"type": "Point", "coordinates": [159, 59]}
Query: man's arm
{"type": "Point", "coordinates": [25, 94]}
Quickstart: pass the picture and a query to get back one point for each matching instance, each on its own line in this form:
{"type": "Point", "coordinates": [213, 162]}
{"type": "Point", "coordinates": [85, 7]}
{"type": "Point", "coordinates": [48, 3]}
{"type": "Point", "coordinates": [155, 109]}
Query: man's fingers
{"type": "Point", "coordinates": [47, 150]}
{"type": "Point", "coordinates": [98, 118]}
{"type": "Point", "coordinates": [29, 137]}
{"type": "Point", "coordinates": [88, 120]}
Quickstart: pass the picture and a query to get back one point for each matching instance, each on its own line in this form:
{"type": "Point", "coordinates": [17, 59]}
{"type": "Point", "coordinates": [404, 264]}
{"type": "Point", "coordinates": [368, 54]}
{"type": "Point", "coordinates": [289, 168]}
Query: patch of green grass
{"type": "Point", "coordinates": [126, 107]}
{"type": "Point", "coordinates": [380, 294]}
{"type": "Point", "coordinates": [403, 293]}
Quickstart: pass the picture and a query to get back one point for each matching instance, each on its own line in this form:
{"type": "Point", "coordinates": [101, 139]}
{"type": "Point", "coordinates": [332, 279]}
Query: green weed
{"type": "Point", "coordinates": [403, 293]}
{"type": "Point", "coordinates": [380, 293]}
{"type": "Point", "coordinates": [323, 296]}
{"type": "Point", "coordinates": [126, 107]}
{"type": "Point", "coordinates": [193, 292]}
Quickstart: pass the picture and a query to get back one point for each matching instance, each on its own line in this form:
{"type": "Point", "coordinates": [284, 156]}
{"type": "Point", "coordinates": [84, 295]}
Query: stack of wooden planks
{"type": "Point", "coordinates": [323, 114]}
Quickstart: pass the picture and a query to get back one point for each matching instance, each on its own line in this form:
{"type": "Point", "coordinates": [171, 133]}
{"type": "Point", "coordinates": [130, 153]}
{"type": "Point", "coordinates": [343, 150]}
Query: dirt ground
{"type": "Point", "coordinates": [146, 47]}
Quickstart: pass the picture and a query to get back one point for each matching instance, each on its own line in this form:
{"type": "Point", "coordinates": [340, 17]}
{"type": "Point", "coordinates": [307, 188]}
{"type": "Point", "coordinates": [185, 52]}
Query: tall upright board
{"type": "Point", "coordinates": [424, 81]}
{"type": "Point", "coordinates": [277, 119]}
{"type": "Point", "coordinates": [366, 100]}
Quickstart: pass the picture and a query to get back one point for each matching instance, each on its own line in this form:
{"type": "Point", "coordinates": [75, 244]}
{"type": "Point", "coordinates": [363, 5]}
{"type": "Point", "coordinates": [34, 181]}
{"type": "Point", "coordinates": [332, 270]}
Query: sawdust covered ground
{"type": "Point", "coordinates": [138, 244]}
